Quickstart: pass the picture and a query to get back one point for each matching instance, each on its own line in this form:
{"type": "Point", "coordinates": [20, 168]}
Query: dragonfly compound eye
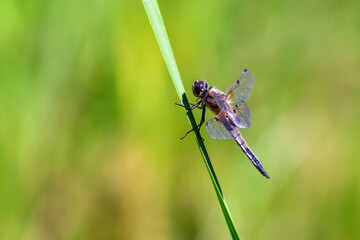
{"type": "Point", "coordinates": [200, 88]}
{"type": "Point", "coordinates": [197, 88]}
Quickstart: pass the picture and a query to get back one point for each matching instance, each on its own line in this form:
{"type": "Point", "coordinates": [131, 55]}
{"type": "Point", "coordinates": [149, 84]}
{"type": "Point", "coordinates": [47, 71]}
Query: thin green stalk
{"type": "Point", "coordinates": [156, 21]}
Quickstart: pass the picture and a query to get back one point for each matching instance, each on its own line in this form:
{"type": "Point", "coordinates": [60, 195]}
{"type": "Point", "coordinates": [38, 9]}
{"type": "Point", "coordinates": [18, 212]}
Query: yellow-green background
{"type": "Point", "coordinates": [89, 133]}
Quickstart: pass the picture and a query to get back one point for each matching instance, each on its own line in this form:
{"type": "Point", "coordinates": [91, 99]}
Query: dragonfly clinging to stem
{"type": "Point", "coordinates": [231, 112]}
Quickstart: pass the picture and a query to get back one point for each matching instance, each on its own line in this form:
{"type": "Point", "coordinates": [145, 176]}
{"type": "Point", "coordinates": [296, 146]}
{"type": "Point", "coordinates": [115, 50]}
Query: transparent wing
{"type": "Point", "coordinates": [242, 112]}
{"type": "Point", "coordinates": [216, 129]}
{"type": "Point", "coordinates": [242, 88]}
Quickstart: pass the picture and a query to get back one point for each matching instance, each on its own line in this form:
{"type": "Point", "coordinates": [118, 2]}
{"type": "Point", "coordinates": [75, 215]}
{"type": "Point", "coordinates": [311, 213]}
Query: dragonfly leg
{"type": "Point", "coordinates": [199, 125]}
{"type": "Point", "coordinates": [199, 107]}
{"type": "Point", "coordinates": [190, 108]}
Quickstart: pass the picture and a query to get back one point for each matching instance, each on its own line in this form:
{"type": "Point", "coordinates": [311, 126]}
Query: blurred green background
{"type": "Point", "coordinates": [89, 133]}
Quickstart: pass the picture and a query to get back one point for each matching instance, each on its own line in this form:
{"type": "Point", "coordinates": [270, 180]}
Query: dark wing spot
{"type": "Point", "coordinates": [245, 70]}
{"type": "Point", "coordinates": [238, 81]}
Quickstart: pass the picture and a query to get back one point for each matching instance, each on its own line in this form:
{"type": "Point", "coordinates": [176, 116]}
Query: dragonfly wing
{"type": "Point", "coordinates": [217, 130]}
{"type": "Point", "coordinates": [242, 88]}
{"type": "Point", "coordinates": [242, 112]}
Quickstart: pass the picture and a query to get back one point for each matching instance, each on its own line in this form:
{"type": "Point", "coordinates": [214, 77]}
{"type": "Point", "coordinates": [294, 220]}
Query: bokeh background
{"type": "Point", "coordinates": [89, 133]}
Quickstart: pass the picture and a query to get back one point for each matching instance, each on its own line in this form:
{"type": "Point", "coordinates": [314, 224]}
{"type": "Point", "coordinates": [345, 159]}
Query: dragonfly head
{"type": "Point", "coordinates": [200, 88]}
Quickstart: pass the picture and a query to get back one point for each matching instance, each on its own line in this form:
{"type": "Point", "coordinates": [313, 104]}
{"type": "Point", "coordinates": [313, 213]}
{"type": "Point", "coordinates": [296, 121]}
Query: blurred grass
{"type": "Point", "coordinates": [89, 132]}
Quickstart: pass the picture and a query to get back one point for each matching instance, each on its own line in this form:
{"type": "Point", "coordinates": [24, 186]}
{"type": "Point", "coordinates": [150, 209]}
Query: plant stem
{"type": "Point", "coordinates": [157, 23]}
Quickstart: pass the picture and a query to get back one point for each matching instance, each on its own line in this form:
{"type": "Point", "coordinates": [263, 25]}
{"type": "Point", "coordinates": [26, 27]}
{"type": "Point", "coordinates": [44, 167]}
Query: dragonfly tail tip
{"type": "Point", "coordinates": [265, 175]}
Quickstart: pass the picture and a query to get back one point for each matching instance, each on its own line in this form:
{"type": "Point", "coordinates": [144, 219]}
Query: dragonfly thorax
{"type": "Point", "coordinates": [200, 88]}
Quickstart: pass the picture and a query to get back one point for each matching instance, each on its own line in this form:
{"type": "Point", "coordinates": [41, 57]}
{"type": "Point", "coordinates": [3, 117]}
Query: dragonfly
{"type": "Point", "coordinates": [231, 112]}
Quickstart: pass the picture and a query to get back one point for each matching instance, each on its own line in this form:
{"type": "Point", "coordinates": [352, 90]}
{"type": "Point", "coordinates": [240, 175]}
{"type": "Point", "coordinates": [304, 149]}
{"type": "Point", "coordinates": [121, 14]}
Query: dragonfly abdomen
{"type": "Point", "coordinates": [242, 144]}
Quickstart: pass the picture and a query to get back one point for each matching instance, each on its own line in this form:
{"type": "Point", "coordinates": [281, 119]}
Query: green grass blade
{"type": "Point", "coordinates": [156, 21]}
